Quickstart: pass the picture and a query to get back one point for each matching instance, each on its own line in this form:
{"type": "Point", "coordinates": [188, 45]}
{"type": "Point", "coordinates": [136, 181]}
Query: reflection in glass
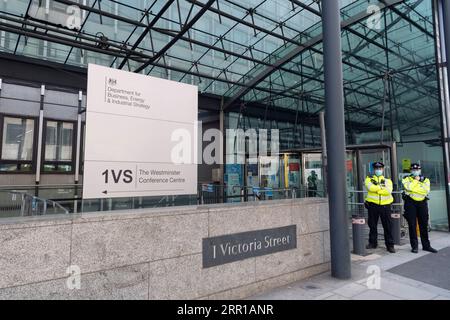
{"type": "Point", "coordinates": [58, 141]}
{"type": "Point", "coordinates": [313, 174]}
{"type": "Point", "coordinates": [17, 142]}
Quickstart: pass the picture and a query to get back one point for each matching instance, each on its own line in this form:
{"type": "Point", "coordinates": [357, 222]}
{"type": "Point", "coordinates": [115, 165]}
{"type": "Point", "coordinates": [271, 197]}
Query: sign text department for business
{"type": "Point", "coordinates": [130, 124]}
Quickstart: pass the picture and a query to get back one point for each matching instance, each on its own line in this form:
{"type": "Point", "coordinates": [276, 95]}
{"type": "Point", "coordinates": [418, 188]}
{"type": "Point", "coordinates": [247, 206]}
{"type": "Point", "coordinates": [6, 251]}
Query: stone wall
{"type": "Point", "coordinates": [157, 253]}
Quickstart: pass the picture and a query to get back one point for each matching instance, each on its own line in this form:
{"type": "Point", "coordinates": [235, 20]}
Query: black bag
{"type": "Point", "coordinates": [405, 196]}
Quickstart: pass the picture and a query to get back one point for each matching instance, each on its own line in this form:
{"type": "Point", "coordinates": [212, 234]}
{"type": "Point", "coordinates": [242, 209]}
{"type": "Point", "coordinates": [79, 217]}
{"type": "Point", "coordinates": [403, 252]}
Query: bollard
{"type": "Point", "coordinates": [396, 227]}
{"type": "Point", "coordinates": [358, 226]}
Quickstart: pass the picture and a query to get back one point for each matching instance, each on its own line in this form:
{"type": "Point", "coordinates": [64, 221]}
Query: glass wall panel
{"type": "Point", "coordinates": [58, 146]}
{"type": "Point", "coordinates": [18, 137]}
{"type": "Point", "coordinates": [430, 156]}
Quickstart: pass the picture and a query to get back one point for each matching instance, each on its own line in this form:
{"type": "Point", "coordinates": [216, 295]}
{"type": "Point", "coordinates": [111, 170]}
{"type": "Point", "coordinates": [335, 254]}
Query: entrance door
{"type": "Point", "coordinates": [313, 174]}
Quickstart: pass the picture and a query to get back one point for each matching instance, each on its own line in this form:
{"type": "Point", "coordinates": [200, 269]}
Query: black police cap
{"type": "Point", "coordinates": [416, 166]}
{"type": "Point", "coordinates": [378, 165]}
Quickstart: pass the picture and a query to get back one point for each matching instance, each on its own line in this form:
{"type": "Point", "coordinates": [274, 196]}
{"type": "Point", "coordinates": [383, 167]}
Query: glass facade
{"type": "Point", "coordinates": [58, 146]}
{"type": "Point", "coordinates": [17, 144]}
{"type": "Point", "coordinates": [17, 139]}
{"type": "Point", "coordinates": [264, 58]}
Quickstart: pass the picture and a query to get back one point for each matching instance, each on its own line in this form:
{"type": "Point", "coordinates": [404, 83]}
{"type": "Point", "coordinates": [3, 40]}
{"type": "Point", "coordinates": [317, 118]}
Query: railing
{"type": "Point", "coordinates": [357, 209]}
{"type": "Point", "coordinates": [214, 193]}
{"type": "Point", "coordinates": [29, 205]}
{"type": "Point", "coordinates": [359, 214]}
{"type": "Point", "coordinates": [26, 200]}
{"type": "Point", "coordinates": [31, 200]}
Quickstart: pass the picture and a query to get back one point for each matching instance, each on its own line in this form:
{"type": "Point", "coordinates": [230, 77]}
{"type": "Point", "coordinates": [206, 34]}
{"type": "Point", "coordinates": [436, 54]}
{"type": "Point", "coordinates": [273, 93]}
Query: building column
{"type": "Point", "coordinates": [78, 149]}
{"type": "Point", "coordinates": [40, 142]}
{"type": "Point", "coordinates": [323, 141]}
{"type": "Point", "coordinates": [335, 133]}
{"type": "Point", "coordinates": [446, 37]}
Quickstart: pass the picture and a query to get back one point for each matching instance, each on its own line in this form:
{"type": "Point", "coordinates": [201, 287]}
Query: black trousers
{"type": "Point", "coordinates": [383, 212]}
{"type": "Point", "coordinates": [312, 192]}
{"type": "Point", "coordinates": [417, 211]}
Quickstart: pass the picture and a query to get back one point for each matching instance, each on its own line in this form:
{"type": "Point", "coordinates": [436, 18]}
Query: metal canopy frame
{"type": "Point", "coordinates": [259, 53]}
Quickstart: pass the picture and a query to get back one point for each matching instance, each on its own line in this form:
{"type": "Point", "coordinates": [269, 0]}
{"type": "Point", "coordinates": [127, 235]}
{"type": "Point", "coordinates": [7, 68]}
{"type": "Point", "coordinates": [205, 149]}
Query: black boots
{"type": "Point", "coordinates": [430, 249]}
{"type": "Point", "coordinates": [388, 248]}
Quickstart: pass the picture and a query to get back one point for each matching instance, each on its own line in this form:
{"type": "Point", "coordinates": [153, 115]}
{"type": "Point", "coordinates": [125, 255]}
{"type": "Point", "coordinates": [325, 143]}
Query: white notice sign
{"type": "Point", "coordinates": [135, 127]}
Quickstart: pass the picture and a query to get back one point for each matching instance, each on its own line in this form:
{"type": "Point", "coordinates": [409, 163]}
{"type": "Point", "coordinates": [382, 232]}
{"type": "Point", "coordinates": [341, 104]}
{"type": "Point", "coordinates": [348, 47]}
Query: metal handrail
{"type": "Point", "coordinates": [365, 191]}
{"type": "Point", "coordinates": [358, 211]}
{"type": "Point", "coordinates": [49, 186]}
{"type": "Point", "coordinates": [30, 202]}
{"type": "Point", "coordinates": [56, 204]}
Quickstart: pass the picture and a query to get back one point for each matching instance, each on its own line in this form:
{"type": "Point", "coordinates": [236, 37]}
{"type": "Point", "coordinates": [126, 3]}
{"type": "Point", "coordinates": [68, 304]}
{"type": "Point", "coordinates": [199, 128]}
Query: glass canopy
{"type": "Point", "coordinates": [262, 52]}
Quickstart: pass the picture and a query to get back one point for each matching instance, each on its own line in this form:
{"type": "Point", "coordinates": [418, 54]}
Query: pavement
{"type": "Point", "coordinates": [371, 278]}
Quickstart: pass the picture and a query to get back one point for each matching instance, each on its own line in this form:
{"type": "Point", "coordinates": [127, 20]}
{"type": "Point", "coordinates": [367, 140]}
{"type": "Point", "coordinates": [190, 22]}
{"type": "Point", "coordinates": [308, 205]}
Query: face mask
{"type": "Point", "coordinates": [416, 173]}
{"type": "Point", "coordinates": [378, 173]}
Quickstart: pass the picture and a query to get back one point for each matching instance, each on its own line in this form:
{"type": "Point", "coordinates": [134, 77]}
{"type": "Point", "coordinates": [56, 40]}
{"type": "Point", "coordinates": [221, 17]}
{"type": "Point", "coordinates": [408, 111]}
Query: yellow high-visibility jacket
{"type": "Point", "coordinates": [379, 193]}
{"type": "Point", "coordinates": [416, 190]}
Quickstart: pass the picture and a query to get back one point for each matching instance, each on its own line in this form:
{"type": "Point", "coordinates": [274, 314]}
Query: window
{"type": "Point", "coordinates": [17, 144]}
{"type": "Point", "coordinates": [59, 138]}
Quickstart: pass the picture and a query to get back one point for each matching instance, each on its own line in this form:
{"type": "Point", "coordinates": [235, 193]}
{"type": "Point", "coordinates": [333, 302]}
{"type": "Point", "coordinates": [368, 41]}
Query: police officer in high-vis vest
{"type": "Point", "coordinates": [416, 190]}
{"type": "Point", "coordinates": [378, 202]}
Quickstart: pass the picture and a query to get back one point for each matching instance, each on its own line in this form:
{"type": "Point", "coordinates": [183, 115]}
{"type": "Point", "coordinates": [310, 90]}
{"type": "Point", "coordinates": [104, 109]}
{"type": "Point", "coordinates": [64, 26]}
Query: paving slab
{"type": "Point", "coordinates": [393, 286]}
{"type": "Point", "coordinates": [374, 295]}
{"type": "Point", "coordinates": [433, 269]}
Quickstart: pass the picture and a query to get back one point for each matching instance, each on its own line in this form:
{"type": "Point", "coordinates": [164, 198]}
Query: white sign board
{"type": "Point", "coordinates": [135, 125]}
